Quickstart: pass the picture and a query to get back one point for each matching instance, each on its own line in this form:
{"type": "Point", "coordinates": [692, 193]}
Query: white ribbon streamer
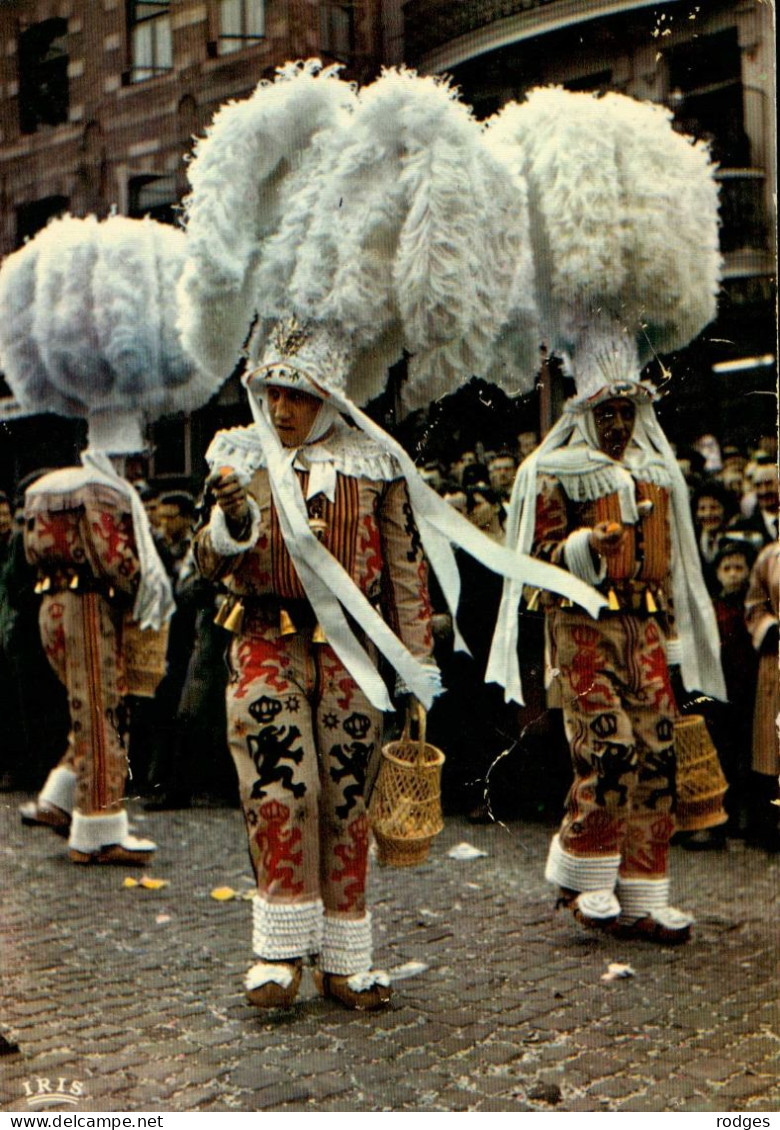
{"type": "Point", "coordinates": [322, 576]}
{"type": "Point", "coordinates": [154, 603]}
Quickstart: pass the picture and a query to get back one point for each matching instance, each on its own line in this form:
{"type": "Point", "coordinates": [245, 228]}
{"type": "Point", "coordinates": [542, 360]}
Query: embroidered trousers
{"type": "Point", "coordinates": [81, 635]}
{"type": "Point", "coordinates": [619, 712]}
{"type": "Point", "coordinates": [301, 733]}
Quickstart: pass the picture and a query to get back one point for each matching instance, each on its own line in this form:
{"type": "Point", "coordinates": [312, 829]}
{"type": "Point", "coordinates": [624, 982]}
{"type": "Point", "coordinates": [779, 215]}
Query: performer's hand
{"type": "Point", "coordinates": [606, 538]}
{"type": "Point", "coordinates": [231, 497]}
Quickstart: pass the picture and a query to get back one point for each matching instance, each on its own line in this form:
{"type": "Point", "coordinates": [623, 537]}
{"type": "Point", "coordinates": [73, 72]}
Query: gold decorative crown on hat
{"type": "Point", "coordinates": [305, 355]}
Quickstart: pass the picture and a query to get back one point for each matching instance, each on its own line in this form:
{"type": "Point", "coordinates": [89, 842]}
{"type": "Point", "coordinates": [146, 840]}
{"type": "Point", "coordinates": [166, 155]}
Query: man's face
{"type": "Point", "coordinates": [502, 472]}
{"type": "Point", "coordinates": [481, 511]}
{"type": "Point", "coordinates": [464, 460]}
{"type": "Point", "coordinates": [173, 525]}
{"type": "Point", "coordinates": [152, 508]}
{"type": "Point", "coordinates": [614, 425]}
{"type": "Point", "coordinates": [293, 413]}
{"type": "Point", "coordinates": [732, 572]}
{"type": "Point", "coordinates": [6, 519]}
{"type": "Point", "coordinates": [709, 513]}
{"type": "Point", "coordinates": [767, 490]}
{"type": "Point", "coordinates": [526, 442]}
{"type": "Point", "coordinates": [734, 463]}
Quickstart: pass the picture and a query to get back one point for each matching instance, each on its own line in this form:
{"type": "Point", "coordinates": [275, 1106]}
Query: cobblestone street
{"type": "Point", "coordinates": [499, 1003]}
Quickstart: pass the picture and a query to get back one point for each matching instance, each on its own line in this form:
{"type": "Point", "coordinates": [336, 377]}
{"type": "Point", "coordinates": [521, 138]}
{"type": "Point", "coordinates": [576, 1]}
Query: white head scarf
{"type": "Point", "coordinates": [571, 453]}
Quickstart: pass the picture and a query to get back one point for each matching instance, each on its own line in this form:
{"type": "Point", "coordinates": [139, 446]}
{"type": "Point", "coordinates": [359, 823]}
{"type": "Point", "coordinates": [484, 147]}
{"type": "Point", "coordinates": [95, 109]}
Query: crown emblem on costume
{"type": "Point", "coordinates": [289, 336]}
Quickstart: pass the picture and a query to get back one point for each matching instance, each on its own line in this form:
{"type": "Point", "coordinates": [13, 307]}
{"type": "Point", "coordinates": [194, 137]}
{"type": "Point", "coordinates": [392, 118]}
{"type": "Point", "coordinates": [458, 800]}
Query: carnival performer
{"type": "Point", "coordinates": [603, 496]}
{"type": "Point", "coordinates": [364, 239]}
{"type": "Point", "coordinates": [85, 336]}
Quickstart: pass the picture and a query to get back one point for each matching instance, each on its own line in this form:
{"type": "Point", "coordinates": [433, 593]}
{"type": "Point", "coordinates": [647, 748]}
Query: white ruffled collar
{"type": "Point", "coordinates": [344, 451]}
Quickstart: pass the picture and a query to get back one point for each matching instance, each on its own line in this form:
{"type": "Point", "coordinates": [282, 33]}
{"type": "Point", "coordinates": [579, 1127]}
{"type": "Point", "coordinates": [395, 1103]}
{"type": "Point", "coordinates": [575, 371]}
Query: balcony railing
{"type": "Point", "coordinates": [430, 23]}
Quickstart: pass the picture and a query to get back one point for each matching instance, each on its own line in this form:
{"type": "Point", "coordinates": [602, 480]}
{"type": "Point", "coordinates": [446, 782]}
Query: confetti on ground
{"type": "Point", "coordinates": [465, 851]}
{"type": "Point", "coordinates": [146, 882]}
{"type": "Point", "coordinates": [616, 972]}
{"type": "Point", "coordinates": [161, 918]}
{"type": "Point", "coordinates": [223, 894]}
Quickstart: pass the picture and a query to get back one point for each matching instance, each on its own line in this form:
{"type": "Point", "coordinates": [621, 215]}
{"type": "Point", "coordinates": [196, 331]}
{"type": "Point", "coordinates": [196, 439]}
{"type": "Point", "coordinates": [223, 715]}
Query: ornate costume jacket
{"type": "Point", "coordinates": [79, 532]}
{"type": "Point", "coordinates": [368, 527]}
{"type": "Point", "coordinates": [643, 564]}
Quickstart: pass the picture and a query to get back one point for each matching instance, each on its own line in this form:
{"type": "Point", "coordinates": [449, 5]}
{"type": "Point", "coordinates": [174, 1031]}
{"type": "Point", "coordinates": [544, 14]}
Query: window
{"type": "Point", "coordinates": [337, 31]}
{"type": "Point", "coordinates": [43, 75]}
{"type": "Point", "coordinates": [707, 97]}
{"type": "Point", "coordinates": [153, 196]}
{"type": "Point", "coordinates": [241, 23]}
{"type": "Point", "coordinates": [30, 218]}
{"type": "Point", "coordinates": [149, 35]}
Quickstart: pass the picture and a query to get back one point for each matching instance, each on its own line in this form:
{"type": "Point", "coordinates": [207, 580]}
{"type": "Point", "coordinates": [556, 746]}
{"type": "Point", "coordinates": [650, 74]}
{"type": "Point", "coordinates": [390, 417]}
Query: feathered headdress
{"type": "Point", "coordinates": [89, 329]}
{"type": "Point", "coordinates": [378, 215]}
{"type": "Point", "coordinates": [366, 224]}
{"type": "Point", "coordinates": [624, 222]}
{"type": "Point", "coordinates": [89, 323]}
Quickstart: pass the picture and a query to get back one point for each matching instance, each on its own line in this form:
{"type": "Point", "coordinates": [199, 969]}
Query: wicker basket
{"type": "Point", "coordinates": [144, 655]}
{"type": "Point", "coordinates": [701, 785]}
{"type": "Point", "coordinates": [405, 809]}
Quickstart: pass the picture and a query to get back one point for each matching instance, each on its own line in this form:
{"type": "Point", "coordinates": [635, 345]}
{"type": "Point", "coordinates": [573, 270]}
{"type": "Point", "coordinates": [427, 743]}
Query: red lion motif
{"type": "Point", "coordinates": [259, 658]}
{"type": "Point", "coordinates": [352, 858]}
{"type": "Point", "coordinates": [334, 673]}
{"type": "Point", "coordinates": [114, 536]}
{"type": "Point", "coordinates": [371, 550]}
{"type": "Point", "coordinates": [276, 843]}
{"type": "Point", "coordinates": [584, 671]}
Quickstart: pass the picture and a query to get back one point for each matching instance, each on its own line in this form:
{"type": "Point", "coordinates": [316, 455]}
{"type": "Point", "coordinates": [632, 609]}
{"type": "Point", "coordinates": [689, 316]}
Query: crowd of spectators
{"type": "Point", "coordinates": [502, 761]}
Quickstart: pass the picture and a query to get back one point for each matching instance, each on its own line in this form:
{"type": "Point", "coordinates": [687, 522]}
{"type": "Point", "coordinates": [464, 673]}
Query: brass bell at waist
{"type": "Point", "coordinates": [45, 584]}
{"type": "Point", "coordinates": [286, 625]}
{"type": "Point", "coordinates": [38, 587]}
{"type": "Point", "coordinates": [650, 602]}
{"type": "Point", "coordinates": [319, 527]}
{"type": "Point", "coordinates": [223, 612]}
{"type": "Point", "coordinates": [234, 621]}
{"type": "Point", "coordinates": [533, 600]}
{"type": "Point", "coordinates": [612, 601]}
{"type": "Point", "coordinates": [318, 636]}
{"type": "Point", "coordinates": [74, 582]}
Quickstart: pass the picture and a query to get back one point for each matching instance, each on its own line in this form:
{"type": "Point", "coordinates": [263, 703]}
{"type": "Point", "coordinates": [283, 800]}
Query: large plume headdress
{"type": "Point", "coordinates": [624, 222]}
{"type": "Point", "coordinates": [371, 223]}
{"type": "Point", "coordinates": [378, 215]}
{"type": "Point", "coordinates": [89, 329]}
